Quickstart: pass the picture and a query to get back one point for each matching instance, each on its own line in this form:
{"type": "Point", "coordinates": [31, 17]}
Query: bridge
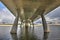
{"type": "Point", "coordinates": [29, 11]}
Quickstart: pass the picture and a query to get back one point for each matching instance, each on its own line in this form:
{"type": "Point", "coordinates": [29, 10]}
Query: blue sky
{"type": "Point", "coordinates": [1, 5]}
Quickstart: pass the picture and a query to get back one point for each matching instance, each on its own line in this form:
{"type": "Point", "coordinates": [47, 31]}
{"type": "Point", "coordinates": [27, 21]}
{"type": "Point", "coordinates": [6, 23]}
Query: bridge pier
{"type": "Point", "coordinates": [15, 25]}
{"type": "Point", "coordinates": [33, 25]}
{"type": "Point", "coordinates": [30, 24]}
{"type": "Point", "coordinates": [45, 27]}
{"type": "Point", "coordinates": [26, 25]}
{"type": "Point", "coordinates": [21, 25]}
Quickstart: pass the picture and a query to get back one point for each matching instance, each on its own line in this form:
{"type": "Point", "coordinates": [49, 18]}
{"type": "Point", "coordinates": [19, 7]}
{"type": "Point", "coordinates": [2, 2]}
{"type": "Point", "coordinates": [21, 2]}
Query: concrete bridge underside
{"type": "Point", "coordinates": [29, 11]}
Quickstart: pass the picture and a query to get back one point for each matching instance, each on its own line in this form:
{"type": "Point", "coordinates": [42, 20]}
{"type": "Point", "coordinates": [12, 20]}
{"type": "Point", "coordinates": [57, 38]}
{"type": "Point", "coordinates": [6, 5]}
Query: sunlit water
{"type": "Point", "coordinates": [36, 34]}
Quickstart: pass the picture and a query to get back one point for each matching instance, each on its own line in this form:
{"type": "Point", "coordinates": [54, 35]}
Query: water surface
{"type": "Point", "coordinates": [30, 33]}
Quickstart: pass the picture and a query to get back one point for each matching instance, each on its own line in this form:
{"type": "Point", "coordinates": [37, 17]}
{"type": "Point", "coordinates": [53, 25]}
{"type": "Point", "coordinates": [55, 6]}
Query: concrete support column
{"type": "Point", "coordinates": [26, 25]}
{"type": "Point", "coordinates": [30, 25]}
{"type": "Point", "coordinates": [20, 25]}
{"type": "Point", "coordinates": [15, 25]}
{"type": "Point", "coordinates": [26, 31]}
{"type": "Point", "coordinates": [14, 28]}
{"type": "Point", "coordinates": [45, 36]}
{"type": "Point", "coordinates": [33, 25]}
{"type": "Point", "coordinates": [45, 28]}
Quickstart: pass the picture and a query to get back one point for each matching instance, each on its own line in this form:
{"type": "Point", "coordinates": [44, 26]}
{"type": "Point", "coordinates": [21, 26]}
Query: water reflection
{"type": "Point", "coordinates": [14, 36]}
{"type": "Point", "coordinates": [30, 34]}
{"type": "Point", "coordinates": [26, 34]}
{"type": "Point", "coordinates": [45, 36]}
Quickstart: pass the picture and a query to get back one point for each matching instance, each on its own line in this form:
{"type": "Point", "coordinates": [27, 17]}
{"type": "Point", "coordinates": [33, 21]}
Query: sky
{"type": "Point", "coordinates": [5, 13]}
{"type": "Point", "coordinates": [1, 5]}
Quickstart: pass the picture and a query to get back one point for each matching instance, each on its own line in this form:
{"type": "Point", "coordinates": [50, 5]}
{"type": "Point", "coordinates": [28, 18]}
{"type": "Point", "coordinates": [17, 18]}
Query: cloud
{"type": "Point", "coordinates": [48, 19]}
{"type": "Point", "coordinates": [6, 14]}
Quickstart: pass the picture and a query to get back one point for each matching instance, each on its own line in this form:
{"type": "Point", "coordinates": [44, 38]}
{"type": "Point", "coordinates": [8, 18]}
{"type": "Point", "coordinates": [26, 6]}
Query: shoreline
{"type": "Point", "coordinates": [34, 25]}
